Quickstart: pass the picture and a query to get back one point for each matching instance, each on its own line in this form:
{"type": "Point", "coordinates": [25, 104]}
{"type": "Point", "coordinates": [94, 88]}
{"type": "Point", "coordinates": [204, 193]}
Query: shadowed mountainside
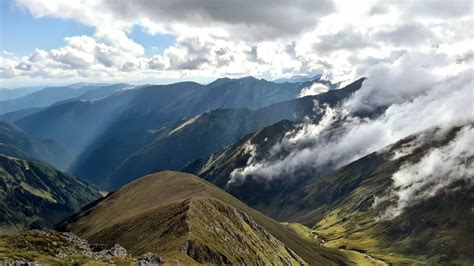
{"type": "Point", "coordinates": [16, 143]}
{"type": "Point", "coordinates": [37, 195]}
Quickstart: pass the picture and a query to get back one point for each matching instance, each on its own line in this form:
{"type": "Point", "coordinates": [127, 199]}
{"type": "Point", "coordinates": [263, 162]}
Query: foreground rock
{"type": "Point", "coordinates": [37, 247]}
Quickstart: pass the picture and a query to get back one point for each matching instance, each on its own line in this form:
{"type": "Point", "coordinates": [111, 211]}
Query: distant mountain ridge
{"type": "Point", "coordinates": [13, 93]}
{"type": "Point", "coordinates": [86, 127]}
{"type": "Point", "coordinates": [50, 95]}
{"type": "Point", "coordinates": [298, 78]}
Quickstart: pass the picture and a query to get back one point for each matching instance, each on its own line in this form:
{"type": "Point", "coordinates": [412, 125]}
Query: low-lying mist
{"type": "Point", "coordinates": [413, 99]}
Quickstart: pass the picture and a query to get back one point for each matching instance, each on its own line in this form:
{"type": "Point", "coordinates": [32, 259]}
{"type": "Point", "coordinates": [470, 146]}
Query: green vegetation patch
{"type": "Point", "coordinates": [38, 192]}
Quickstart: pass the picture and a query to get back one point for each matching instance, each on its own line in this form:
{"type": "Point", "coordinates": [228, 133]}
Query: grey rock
{"type": "Point", "coordinates": [150, 258]}
{"type": "Point", "coordinates": [118, 251]}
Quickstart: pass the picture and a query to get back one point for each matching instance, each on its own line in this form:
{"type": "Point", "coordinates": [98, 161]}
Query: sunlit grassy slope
{"type": "Point", "coordinates": [184, 218]}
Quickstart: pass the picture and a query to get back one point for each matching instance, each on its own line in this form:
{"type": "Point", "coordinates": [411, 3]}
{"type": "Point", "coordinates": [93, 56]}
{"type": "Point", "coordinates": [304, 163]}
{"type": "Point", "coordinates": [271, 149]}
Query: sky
{"type": "Point", "coordinates": [142, 41]}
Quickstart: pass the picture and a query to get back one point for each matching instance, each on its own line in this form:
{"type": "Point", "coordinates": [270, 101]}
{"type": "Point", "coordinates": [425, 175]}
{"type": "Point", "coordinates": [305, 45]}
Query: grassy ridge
{"type": "Point", "coordinates": [164, 211]}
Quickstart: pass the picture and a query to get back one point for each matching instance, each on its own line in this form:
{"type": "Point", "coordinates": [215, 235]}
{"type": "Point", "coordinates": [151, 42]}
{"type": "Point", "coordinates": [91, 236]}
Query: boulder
{"type": "Point", "coordinates": [150, 259]}
{"type": "Point", "coordinates": [118, 251]}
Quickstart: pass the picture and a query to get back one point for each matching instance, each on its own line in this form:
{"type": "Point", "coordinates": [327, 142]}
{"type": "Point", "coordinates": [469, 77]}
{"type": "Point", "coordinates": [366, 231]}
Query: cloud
{"type": "Point", "coordinates": [395, 81]}
{"type": "Point", "coordinates": [340, 137]}
{"type": "Point", "coordinates": [82, 56]}
{"type": "Point", "coordinates": [262, 21]}
{"type": "Point", "coordinates": [314, 89]}
{"type": "Point", "coordinates": [436, 171]}
{"type": "Point", "coordinates": [440, 9]}
{"type": "Point", "coordinates": [406, 35]}
{"type": "Point", "coordinates": [342, 40]}
{"type": "Point", "coordinates": [270, 39]}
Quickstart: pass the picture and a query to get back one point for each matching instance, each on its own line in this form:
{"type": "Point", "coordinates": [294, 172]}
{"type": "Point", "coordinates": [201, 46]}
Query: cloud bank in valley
{"type": "Point", "coordinates": [437, 170]}
{"type": "Point", "coordinates": [412, 105]}
{"type": "Point", "coordinates": [415, 99]}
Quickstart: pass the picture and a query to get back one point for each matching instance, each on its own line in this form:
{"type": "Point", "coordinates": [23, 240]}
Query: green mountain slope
{"type": "Point", "coordinates": [184, 218]}
{"type": "Point", "coordinates": [16, 143]}
{"type": "Point", "coordinates": [36, 194]}
{"type": "Point", "coordinates": [438, 229]}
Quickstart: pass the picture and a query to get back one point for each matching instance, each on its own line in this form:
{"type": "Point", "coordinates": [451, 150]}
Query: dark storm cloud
{"type": "Point", "coordinates": [257, 20]}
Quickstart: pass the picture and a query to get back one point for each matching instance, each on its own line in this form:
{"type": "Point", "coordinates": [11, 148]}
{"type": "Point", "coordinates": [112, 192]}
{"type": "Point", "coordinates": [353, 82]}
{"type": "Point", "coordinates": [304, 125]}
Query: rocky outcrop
{"type": "Point", "coordinates": [118, 251]}
{"type": "Point", "coordinates": [202, 253]}
{"type": "Point", "coordinates": [150, 259]}
{"type": "Point", "coordinates": [63, 245]}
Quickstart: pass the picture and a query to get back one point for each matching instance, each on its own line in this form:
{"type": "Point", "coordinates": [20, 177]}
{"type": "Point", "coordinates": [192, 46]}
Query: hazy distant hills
{"type": "Point", "coordinates": [50, 95]}
{"type": "Point", "coordinates": [9, 94]}
{"type": "Point", "coordinates": [14, 142]}
{"type": "Point", "coordinates": [88, 128]}
{"type": "Point", "coordinates": [150, 107]}
{"type": "Point", "coordinates": [187, 219]}
{"type": "Point", "coordinates": [37, 195]}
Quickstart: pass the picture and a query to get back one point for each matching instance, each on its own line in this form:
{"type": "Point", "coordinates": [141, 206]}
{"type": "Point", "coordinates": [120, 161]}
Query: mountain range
{"type": "Point", "coordinates": [91, 129]}
{"type": "Point", "coordinates": [154, 169]}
